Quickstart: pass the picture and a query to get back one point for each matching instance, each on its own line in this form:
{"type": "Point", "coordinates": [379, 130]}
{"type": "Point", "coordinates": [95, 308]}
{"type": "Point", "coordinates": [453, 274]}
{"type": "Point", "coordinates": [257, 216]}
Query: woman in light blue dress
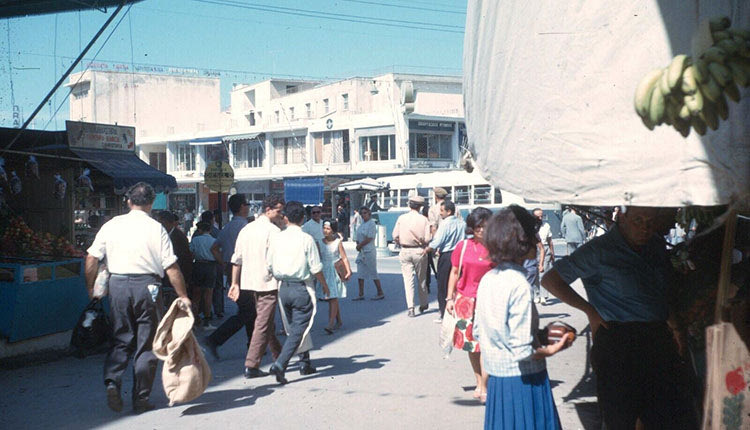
{"type": "Point", "coordinates": [331, 251]}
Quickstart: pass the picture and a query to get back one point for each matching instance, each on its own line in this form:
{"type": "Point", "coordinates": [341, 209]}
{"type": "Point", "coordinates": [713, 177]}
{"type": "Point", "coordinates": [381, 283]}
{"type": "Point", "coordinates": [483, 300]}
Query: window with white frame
{"type": "Point", "coordinates": [461, 194]}
{"type": "Point", "coordinates": [404, 198]}
{"type": "Point", "coordinates": [331, 147]}
{"type": "Point", "coordinates": [289, 150]}
{"type": "Point", "coordinates": [377, 148]}
{"type": "Point", "coordinates": [326, 106]}
{"type": "Point", "coordinates": [344, 101]}
{"type": "Point", "coordinates": [247, 154]}
{"type": "Point", "coordinates": [308, 110]}
{"type": "Point", "coordinates": [184, 156]}
{"type": "Point", "coordinates": [482, 194]}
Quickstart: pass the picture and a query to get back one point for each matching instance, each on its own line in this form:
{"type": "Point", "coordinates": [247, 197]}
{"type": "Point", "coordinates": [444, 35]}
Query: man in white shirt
{"type": "Point", "coordinates": [314, 227]}
{"type": "Point", "coordinates": [545, 237]}
{"type": "Point", "coordinates": [138, 252]}
{"type": "Point", "coordinates": [293, 259]}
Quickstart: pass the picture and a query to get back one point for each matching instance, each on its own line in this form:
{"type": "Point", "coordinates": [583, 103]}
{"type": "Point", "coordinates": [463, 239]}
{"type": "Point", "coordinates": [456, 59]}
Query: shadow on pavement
{"type": "Point", "coordinates": [222, 400]}
{"type": "Point", "coordinates": [588, 412]}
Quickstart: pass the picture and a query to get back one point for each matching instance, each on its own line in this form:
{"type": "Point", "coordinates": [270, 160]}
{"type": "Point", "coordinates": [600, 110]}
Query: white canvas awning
{"type": "Point", "coordinates": [365, 184]}
{"type": "Point", "coordinates": [548, 90]}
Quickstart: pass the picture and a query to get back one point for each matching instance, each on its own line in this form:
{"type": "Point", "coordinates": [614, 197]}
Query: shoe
{"type": "Point", "coordinates": [378, 297]}
{"type": "Point", "coordinates": [211, 347]}
{"type": "Point", "coordinates": [358, 298]}
{"type": "Point", "coordinates": [278, 373]}
{"type": "Point", "coordinates": [142, 405]}
{"type": "Point", "coordinates": [307, 369]}
{"type": "Point", "coordinates": [254, 372]}
{"type": "Point", "coordinates": [543, 302]}
{"type": "Point", "coordinates": [337, 326]}
{"type": "Point", "coordinates": [438, 320]}
{"type": "Point", "coordinates": [329, 330]}
{"type": "Point", "coordinates": [411, 314]}
{"type": "Point", "coordinates": [114, 401]}
{"type": "Point", "coordinates": [423, 308]}
{"type": "Point", "coordinates": [207, 326]}
{"type": "Point", "coordinates": [537, 300]}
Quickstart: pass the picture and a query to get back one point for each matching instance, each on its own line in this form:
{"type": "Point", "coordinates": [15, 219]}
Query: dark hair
{"type": "Point", "coordinates": [141, 194]}
{"type": "Point", "coordinates": [414, 205]}
{"type": "Point", "coordinates": [295, 212]}
{"type": "Point", "coordinates": [334, 224]}
{"type": "Point", "coordinates": [510, 234]}
{"type": "Point", "coordinates": [449, 206]}
{"type": "Point", "coordinates": [536, 209]}
{"type": "Point", "coordinates": [476, 218]}
{"type": "Point", "coordinates": [203, 226]}
{"type": "Point", "coordinates": [164, 216]}
{"type": "Point", "coordinates": [207, 216]}
{"type": "Point", "coordinates": [271, 201]}
{"type": "Point", "coordinates": [235, 202]}
{"type": "Point", "coordinates": [364, 208]}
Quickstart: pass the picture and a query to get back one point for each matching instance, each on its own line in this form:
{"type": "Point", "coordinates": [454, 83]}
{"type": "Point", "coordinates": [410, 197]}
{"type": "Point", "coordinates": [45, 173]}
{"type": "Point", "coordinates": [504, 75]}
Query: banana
{"type": "Point", "coordinates": [729, 46]}
{"type": "Point", "coordinates": [701, 72]}
{"type": "Point", "coordinates": [671, 110]}
{"type": "Point", "coordinates": [684, 113]}
{"type": "Point", "coordinates": [656, 107]}
{"type": "Point", "coordinates": [711, 89]}
{"type": "Point", "coordinates": [708, 115]}
{"type": "Point", "coordinates": [689, 83]}
{"type": "Point", "coordinates": [698, 125]}
{"type": "Point", "coordinates": [647, 122]}
{"type": "Point", "coordinates": [682, 126]}
{"type": "Point", "coordinates": [721, 108]}
{"type": "Point", "coordinates": [738, 74]}
{"type": "Point", "coordinates": [744, 34]}
{"type": "Point", "coordinates": [664, 82]}
{"type": "Point", "coordinates": [720, 35]}
{"type": "Point", "coordinates": [732, 92]}
{"type": "Point", "coordinates": [643, 92]}
{"type": "Point", "coordinates": [719, 23]}
{"type": "Point", "coordinates": [714, 54]}
{"type": "Point", "coordinates": [722, 75]}
{"type": "Point", "coordinates": [694, 103]}
{"type": "Point", "coordinates": [678, 64]}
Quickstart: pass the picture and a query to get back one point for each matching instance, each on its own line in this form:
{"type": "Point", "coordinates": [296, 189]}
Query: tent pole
{"type": "Point", "coordinates": [726, 265]}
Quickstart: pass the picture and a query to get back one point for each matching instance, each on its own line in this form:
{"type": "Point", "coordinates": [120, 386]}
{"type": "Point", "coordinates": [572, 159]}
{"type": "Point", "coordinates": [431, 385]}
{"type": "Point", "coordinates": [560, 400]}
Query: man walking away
{"type": "Point", "coordinates": [433, 216]}
{"type": "Point", "coordinates": [207, 258]}
{"type": "Point", "coordinates": [572, 229]}
{"type": "Point", "coordinates": [138, 253]}
{"type": "Point", "coordinates": [545, 236]}
{"type": "Point", "coordinates": [225, 243]}
{"type": "Point", "coordinates": [293, 259]}
{"type": "Point", "coordinates": [412, 233]}
{"type": "Point", "coordinates": [451, 231]}
{"type": "Point", "coordinates": [181, 248]}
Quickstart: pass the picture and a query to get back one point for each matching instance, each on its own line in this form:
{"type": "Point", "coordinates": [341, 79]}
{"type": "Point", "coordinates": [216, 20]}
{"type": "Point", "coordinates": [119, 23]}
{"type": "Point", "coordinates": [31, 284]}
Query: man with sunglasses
{"type": "Point", "coordinates": [314, 226]}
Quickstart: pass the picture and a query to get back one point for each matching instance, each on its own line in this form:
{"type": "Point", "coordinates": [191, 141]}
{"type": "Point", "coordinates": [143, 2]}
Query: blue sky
{"type": "Point", "coordinates": [240, 40]}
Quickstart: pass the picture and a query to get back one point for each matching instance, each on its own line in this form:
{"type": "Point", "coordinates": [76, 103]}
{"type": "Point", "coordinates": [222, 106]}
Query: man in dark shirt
{"type": "Point", "coordinates": [181, 248]}
{"type": "Point", "coordinates": [342, 216]}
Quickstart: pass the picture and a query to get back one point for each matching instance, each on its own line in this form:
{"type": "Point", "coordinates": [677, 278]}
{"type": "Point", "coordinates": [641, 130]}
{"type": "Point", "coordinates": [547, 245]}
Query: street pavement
{"type": "Point", "coordinates": [382, 370]}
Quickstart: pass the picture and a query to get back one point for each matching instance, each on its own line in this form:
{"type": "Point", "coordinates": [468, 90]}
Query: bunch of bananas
{"type": "Point", "coordinates": [690, 91]}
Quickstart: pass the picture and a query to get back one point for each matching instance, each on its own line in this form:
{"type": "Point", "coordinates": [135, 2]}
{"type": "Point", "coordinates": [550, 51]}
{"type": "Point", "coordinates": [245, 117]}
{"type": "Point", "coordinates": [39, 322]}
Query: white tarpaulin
{"type": "Point", "coordinates": [549, 88]}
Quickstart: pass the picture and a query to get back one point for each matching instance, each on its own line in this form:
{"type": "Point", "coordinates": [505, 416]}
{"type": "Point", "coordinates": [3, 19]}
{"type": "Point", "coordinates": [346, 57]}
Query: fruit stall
{"type": "Point", "coordinates": [643, 104]}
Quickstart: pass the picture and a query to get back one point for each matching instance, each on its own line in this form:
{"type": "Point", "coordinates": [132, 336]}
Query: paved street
{"type": "Point", "coordinates": [382, 370]}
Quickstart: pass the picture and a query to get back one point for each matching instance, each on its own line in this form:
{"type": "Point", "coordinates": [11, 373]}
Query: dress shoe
{"type": "Point", "coordinates": [411, 313]}
{"type": "Point", "coordinates": [114, 401]}
{"type": "Point", "coordinates": [307, 369]}
{"type": "Point", "coordinates": [423, 308]}
{"type": "Point", "coordinates": [142, 405]}
{"type": "Point", "coordinates": [278, 373]}
{"type": "Point", "coordinates": [252, 372]}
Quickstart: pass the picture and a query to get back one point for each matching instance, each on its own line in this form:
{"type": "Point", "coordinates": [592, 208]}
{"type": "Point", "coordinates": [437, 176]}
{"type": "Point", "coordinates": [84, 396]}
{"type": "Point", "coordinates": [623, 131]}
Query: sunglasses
{"type": "Point", "coordinates": [316, 212]}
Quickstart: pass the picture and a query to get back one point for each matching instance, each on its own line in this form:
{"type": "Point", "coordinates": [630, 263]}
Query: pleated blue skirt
{"type": "Point", "coordinates": [520, 402]}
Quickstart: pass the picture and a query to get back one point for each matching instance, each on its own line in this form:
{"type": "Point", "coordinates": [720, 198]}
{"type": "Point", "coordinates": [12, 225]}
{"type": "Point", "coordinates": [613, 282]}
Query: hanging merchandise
{"type": "Point", "coordinates": [3, 175]}
{"type": "Point", "coordinates": [32, 167]}
{"type": "Point", "coordinates": [15, 183]}
{"type": "Point", "coordinates": [84, 181]}
{"type": "Point", "coordinates": [60, 187]}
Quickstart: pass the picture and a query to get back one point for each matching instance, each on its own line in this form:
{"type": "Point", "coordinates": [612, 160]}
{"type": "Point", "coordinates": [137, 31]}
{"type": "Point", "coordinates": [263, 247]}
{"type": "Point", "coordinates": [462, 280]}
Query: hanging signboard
{"type": "Point", "coordinates": [89, 135]}
{"type": "Point", "coordinates": [219, 176]}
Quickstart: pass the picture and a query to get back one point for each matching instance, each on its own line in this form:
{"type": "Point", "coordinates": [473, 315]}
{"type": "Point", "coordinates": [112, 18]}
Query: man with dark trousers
{"type": "Point", "coordinates": [181, 248]}
{"type": "Point", "coordinates": [138, 252]}
{"type": "Point", "coordinates": [293, 260]}
{"type": "Point", "coordinates": [450, 231]}
{"type": "Point", "coordinates": [225, 241]}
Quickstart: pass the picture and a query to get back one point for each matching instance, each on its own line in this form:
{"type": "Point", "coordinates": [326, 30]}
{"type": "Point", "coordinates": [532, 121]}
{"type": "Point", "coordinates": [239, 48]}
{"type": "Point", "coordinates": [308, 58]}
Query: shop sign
{"type": "Point", "coordinates": [219, 176]}
{"type": "Point", "coordinates": [419, 125]}
{"type": "Point", "coordinates": [89, 135]}
{"type": "Point", "coordinates": [188, 188]}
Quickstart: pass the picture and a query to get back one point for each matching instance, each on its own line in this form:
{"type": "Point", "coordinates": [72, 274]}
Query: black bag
{"type": "Point", "coordinates": [93, 331]}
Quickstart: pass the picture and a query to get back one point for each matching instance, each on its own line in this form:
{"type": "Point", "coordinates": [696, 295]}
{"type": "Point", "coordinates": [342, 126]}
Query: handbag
{"type": "Point", "coordinates": [92, 331]}
{"type": "Point", "coordinates": [340, 269]}
{"type": "Point", "coordinates": [448, 325]}
{"type": "Point", "coordinates": [555, 331]}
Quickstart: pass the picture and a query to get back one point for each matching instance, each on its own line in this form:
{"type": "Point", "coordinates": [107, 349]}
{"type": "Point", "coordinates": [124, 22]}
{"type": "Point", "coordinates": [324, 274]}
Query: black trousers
{"type": "Point", "coordinates": [430, 269]}
{"type": "Point", "coordinates": [443, 274]}
{"type": "Point", "coordinates": [135, 315]}
{"type": "Point", "coordinates": [298, 307]}
{"type": "Point", "coordinates": [245, 316]}
{"type": "Point", "coordinates": [639, 374]}
{"type": "Point", "coordinates": [217, 298]}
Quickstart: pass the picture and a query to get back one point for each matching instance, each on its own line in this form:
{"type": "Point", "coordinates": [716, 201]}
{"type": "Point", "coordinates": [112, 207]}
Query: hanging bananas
{"type": "Point", "coordinates": [689, 93]}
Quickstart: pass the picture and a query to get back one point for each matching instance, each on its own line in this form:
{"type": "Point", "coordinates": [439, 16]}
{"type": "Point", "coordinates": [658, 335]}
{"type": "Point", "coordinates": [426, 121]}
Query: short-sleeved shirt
{"type": "Point", "coordinates": [314, 229]}
{"type": "Point", "coordinates": [228, 236]}
{"type": "Point", "coordinates": [475, 264]}
{"type": "Point", "coordinates": [412, 230]}
{"type": "Point", "coordinates": [367, 230]}
{"type": "Point", "coordinates": [433, 216]}
{"type": "Point", "coordinates": [451, 231]}
{"type": "Point", "coordinates": [545, 234]}
{"type": "Point", "coordinates": [134, 244]}
{"type": "Point", "coordinates": [201, 245]}
{"type": "Point", "coordinates": [622, 284]}
{"type": "Point", "coordinates": [293, 255]}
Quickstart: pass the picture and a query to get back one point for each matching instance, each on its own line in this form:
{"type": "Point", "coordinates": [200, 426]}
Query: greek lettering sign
{"type": "Point", "coordinates": [219, 176]}
{"type": "Point", "coordinates": [89, 135]}
{"type": "Point", "coordinates": [420, 125]}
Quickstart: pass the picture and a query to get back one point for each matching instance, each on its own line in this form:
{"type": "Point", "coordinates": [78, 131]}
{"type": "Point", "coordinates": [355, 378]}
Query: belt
{"type": "Point", "coordinates": [293, 283]}
{"type": "Point", "coordinates": [205, 261]}
{"type": "Point", "coordinates": [411, 246]}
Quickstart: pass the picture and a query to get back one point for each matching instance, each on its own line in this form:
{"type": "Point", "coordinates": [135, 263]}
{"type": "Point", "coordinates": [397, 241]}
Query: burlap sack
{"type": "Point", "coordinates": [186, 373]}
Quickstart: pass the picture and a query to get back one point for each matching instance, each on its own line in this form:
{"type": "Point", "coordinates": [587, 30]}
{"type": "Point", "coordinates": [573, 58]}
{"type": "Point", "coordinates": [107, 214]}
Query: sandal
{"type": "Point", "coordinates": [328, 330]}
{"type": "Point", "coordinates": [356, 299]}
{"type": "Point", "coordinates": [337, 326]}
{"type": "Point", "coordinates": [378, 297]}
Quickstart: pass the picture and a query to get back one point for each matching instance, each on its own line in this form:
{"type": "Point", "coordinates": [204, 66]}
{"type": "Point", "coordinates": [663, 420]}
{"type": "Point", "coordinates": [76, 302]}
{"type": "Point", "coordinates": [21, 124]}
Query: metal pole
{"type": "Point", "coordinates": [65, 75]}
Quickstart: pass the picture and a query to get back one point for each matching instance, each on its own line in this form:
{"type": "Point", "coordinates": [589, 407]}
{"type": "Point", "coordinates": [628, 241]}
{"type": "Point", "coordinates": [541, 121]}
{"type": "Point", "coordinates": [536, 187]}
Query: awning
{"type": "Point", "coordinates": [236, 137]}
{"type": "Point", "coordinates": [304, 190]}
{"type": "Point", "coordinates": [365, 184]}
{"type": "Point", "coordinates": [126, 169]}
{"type": "Point", "coordinates": [215, 140]}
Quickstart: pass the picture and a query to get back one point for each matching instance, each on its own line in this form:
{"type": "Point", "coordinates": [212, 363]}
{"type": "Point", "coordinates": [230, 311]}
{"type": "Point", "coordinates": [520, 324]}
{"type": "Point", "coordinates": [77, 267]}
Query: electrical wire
{"type": "Point", "coordinates": [406, 7]}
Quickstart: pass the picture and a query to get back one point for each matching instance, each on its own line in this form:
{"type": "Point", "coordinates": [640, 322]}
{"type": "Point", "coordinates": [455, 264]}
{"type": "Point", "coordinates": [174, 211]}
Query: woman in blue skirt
{"type": "Point", "coordinates": [519, 395]}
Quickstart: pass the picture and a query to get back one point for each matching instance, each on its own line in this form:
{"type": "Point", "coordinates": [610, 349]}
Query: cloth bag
{"type": "Point", "coordinates": [101, 284]}
{"type": "Point", "coordinates": [92, 331]}
{"type": "Point", "coordinates": [727, 399]}
{"type": "Point", "coordinates": [186, 373]}
{"type": "Point", "coordinates": [448, 326]}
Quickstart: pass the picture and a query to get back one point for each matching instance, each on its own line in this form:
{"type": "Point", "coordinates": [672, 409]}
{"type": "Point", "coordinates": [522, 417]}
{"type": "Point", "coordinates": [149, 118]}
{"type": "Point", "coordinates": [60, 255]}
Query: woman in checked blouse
{"type": "Point", "coordinates": [518, 391]}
